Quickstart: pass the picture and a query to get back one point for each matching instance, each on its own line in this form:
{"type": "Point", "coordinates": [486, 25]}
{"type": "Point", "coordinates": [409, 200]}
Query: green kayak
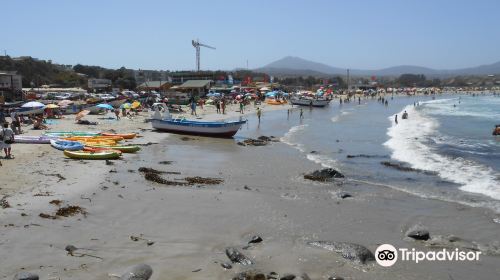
{"type": "Point", "coordinates": [92, 155]}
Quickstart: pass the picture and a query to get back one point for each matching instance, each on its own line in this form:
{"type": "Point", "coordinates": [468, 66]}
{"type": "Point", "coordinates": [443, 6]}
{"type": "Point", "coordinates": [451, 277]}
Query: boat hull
{"type": "Point", "coordinates": [307, 102]}
{"type": "Point", "coordinates": [210, 129]}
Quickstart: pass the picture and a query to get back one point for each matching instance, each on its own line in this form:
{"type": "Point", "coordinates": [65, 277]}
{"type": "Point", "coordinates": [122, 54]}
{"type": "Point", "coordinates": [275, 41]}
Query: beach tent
{"type": "Point", "coordinates": [270, 94]}
{"type": "Point", "coordinates": [33, 104]}
{"type": "Point", "coordinates": [105, 106]}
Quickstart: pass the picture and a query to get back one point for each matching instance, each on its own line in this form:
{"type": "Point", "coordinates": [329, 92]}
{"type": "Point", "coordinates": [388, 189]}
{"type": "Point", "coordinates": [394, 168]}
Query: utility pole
{"type": "Point", "coordinates": [348, 81]}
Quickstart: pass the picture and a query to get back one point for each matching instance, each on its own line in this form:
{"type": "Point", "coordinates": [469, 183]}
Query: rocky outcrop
{"type": "Point", "coordinates": [350, 251]}
{"type": "Point", "coordinates": [324, 175]}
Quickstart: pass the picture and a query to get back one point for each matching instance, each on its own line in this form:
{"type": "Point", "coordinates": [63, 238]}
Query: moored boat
{"type": "Point", "coordinates": [182, 126]}
{"type": "Point", "coordinates": [310, 102]}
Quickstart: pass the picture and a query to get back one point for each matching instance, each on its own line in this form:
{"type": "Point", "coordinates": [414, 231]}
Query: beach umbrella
{"type": "Point", "coordinates": [51, 106]}
{"type": "Point", "coordinates": [135, 104]}
{"type": "Point", "coordinates": [271, 93]}
{"type": "Point", "coordinates": [126, 106]}
{"type": "Point", "coordinates": [81, 114]}
{"type": "Point", "coordinates": [33, 104]}
{"type": "Point", "coordinates": [105, 106]}
{"type": "Point", "coordinates": [64, 103]}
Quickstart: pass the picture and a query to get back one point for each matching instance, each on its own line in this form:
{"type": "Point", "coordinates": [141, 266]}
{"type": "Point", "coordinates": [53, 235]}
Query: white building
{"type": "Point", "coordinates": [10, 80]}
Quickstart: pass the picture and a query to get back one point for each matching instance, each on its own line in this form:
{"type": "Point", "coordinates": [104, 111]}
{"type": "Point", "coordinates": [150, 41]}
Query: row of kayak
{"type": "Point", "coordinates": [78, 150]}
{"type": "Point", "coordinates": [84, 144]}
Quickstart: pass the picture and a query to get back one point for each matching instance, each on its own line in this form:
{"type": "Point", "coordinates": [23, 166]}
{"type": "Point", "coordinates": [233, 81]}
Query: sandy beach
{"type": "Point", "coordinates": [182, 232]}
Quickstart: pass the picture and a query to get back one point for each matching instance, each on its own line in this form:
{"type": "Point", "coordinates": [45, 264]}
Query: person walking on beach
{"type": "Point", "coordinates": [396, 119]}
{"type": "Point", "coordinates": [241, 107]}
{"type": "Point", "coordinates": [217, 106]}
{"type": "Point", "coordinates": [6, 139]}
{"type": "Point", "coordinates": [193, 108]}
{"type": "Point", "coordinates": [359, 100]}
{"type": "Point", "coordinates": [223, 106]}
{"type": "Point", "coordinates": [117, 114]}
{"type": "Point", "coordinates": [259, 113]}
{"type": "Point", "coordinates": [301, 113]}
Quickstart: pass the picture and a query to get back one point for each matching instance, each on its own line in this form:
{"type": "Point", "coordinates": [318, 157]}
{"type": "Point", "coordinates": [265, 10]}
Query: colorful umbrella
{"type": "Point", "coordinates": [136, 104]}
{"type": "Point", "coordinates": [105, 106]}
{"type": "Point", "coordinates": [33, 104]}
{"type": "Point", "coordinates": [64, 103]}
{"type": "Point", "coordinates": [82, 114]}
{"type": "Point", "coordinates": [126, 106]}
{"type": "Point", "coordinates": [51, 106]}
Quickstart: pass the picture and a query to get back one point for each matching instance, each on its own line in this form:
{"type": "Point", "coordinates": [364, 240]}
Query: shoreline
{"type": "Point", "coordinates": [191, 226]}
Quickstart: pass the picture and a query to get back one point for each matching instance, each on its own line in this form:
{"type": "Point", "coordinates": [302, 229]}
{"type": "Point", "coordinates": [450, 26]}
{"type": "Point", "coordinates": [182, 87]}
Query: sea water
{"type": "Point", "coordinates": [447, 140]}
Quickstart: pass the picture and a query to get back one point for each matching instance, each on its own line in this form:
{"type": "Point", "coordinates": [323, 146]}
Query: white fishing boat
{"type": "Point", "coordinates": [320, 102]}
{"type": "Point", "coordinates": [182, 126]}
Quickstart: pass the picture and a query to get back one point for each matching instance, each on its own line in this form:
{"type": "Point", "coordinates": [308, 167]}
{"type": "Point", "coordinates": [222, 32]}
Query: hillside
{"type": "Point", "coordinates": [296, 66]}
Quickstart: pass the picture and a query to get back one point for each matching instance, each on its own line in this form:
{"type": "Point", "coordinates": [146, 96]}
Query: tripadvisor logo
{"type": "Point", "coordinates": [387, 255]}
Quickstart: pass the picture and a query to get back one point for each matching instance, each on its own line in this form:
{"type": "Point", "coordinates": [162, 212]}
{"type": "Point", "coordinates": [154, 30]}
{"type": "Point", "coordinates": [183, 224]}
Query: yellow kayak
{"type": "Point", "coordinates": [123, 135]}
{"type": "Point", "coordinates": [92, 155]}
{"type": "Point", "coordinates": [114, 138]}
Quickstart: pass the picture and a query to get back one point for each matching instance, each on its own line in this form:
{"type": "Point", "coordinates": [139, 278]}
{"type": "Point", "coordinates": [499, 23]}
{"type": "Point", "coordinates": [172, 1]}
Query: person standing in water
{"type": "Point", "coordinates": [301, 113]}
{"type": "Point", "coordinates": [396, 119]}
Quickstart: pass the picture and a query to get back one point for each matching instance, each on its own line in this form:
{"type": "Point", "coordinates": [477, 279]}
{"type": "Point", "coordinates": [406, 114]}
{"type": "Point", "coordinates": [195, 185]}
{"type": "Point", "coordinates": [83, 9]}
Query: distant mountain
{"type": "Point", "coordinates": [296, 66]}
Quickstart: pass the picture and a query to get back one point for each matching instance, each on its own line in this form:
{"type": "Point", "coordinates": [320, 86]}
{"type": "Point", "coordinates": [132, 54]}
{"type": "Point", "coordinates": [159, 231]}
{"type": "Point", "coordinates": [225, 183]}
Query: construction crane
{"type": "Point", "coordinates": [197, 45]}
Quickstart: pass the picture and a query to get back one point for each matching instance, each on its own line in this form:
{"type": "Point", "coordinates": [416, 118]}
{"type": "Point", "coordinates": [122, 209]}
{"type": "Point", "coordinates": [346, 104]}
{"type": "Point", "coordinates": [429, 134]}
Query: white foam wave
{"type": "Point", "coordinates": [407, 141]}
{"type": "Point", "coordinates": [336, 118]}
{"type": "Point", "coordinates": [325, 161]}
{"type": "Point", "coordinates": [289, 137]}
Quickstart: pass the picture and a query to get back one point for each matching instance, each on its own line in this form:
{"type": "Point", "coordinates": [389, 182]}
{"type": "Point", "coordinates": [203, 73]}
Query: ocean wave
{"type": "Point", "coordinates": [289, 137]}
{"type": "Point", "coordinates": [336, 118]}
{"type": "Point", "coordinates": [407, 140]}
{"type": "Point", "coordinates": [325, 161]}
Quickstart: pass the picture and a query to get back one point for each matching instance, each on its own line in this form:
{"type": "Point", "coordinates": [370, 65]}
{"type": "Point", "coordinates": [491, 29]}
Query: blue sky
{"type": "Point", "coordinates": [150, 34]}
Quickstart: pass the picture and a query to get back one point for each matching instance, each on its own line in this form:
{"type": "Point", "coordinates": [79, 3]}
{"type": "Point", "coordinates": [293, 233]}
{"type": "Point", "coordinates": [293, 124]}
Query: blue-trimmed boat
{"type": "Point", "coordinates": [183, 126]}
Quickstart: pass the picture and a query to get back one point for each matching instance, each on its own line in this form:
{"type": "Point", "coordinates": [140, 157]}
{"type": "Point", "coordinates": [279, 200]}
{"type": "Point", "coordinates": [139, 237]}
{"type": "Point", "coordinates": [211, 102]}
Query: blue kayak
{"type": "Point", "coordinates": [65, 145]}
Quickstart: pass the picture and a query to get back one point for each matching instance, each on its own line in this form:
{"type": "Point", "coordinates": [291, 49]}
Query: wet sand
{"type": "Point", "coordinates": [192, 225]}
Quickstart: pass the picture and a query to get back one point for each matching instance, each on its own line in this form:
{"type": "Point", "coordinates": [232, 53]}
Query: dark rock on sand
{"type": "Point", "coordinates": [324, 175]}
{"type": "Point", "coordinates": [350, 251]}
{"type": "Point", "coordinates": [418, 232]}
{"type": "Point", "coordinates": [26, 276]}
{"type": "Point", "coordinates": [344, 195]}
{"type": "Point", "coordinates": [272, 275]}
{"type": "Point", "coordinates": [288, 277]}
{"type": "Point", "coordinates": [138, 272]}
{"type": "Point", "coordinates": [226, 265]}
{"type": "Point", "coordinates": [250, 275]}
{"type": "Point", "coordinates": [255, 239]}
{"type": "Point", "coordinates": [237, 257]}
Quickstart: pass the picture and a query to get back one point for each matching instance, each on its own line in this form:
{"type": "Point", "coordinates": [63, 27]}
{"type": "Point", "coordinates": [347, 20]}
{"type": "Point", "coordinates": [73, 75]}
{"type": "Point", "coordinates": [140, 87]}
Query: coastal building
{"type": "Point", "coordinates": [142, 76]}
{"type": "Point", "coordinates": [196, 87]}
{"type": "Point", "coordinates": [155, 85]}
{"type": "Point", "coordinates": [99, 84]}
{"type": "Point", "coordinates": [11, 85]}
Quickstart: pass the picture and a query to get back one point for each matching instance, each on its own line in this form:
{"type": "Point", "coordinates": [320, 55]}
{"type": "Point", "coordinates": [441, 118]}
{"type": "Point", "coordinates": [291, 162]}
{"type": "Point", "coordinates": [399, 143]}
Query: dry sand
{"type": "Point", "coordinates": [263, 194]}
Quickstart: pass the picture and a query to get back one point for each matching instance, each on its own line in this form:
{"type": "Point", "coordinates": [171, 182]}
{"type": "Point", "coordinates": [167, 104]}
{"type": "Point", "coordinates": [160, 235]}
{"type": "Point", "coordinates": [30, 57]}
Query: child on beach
{"type": "Point", "coordinates": [7, 138]}
{"type": "Point", "coordinates": [259, 113]}
{"type": "Point", "coordinates": [301, 113]}
{"type": "Point", "coordinates": [241, 107]}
